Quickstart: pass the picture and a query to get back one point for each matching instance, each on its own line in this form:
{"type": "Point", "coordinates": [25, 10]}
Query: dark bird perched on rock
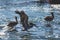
{"type": "Point", "coordinates": [49, 18]}
{"type": "Point", "coordinates": [24, 20]}
{"type": "Point", "coordinates": [12, 24]}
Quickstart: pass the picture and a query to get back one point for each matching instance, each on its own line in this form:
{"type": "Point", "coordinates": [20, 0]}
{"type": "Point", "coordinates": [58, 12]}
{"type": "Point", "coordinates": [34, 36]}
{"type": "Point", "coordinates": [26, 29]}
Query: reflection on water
{"type": "Point", "coordinates": [26, 37]}
{"type": "Point", "coordinates": [49, 30]}
{"type": "Point", "coordinates": [36, 13]}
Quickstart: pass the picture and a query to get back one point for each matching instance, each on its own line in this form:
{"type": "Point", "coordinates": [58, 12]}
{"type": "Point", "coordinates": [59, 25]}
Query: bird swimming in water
{"type": "Point", "coordinates": [12, 24]}
{"type": "Point", "coordinates": [24, 20]}
{"type": "Point", "coordinates": [49, 18]}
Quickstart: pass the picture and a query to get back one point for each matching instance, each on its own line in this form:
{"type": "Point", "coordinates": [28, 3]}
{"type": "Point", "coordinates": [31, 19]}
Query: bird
{"type": "Point", "coordinates": [12, 24]}
{"type": "Point", "coordinates": [24, 20]}
{"type": "Point", "coordinates": [49, 18]}
{"type": "Point", "coordinates": [23, 16]}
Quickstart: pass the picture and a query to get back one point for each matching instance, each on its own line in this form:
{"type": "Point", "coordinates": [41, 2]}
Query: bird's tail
{"type": "Point", "coordinates": [5, 29]}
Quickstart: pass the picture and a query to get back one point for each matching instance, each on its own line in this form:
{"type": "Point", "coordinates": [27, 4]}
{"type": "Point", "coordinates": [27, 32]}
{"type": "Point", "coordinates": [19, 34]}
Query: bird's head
{"type": "Point", "coordinates": [52, 13]}
{"type": "Point", "coordinates": [17, 12]}
{"type": "Point", "coordinates": [20, 12]}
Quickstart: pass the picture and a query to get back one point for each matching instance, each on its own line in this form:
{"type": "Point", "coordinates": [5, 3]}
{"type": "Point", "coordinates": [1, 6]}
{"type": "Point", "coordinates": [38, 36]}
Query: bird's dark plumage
{"type": "Point", "coordinates": [49, 18]}
{"type": "Point", "coordinates": [13, 23]}
{"type": "Point", "coordinates": [24, 20]}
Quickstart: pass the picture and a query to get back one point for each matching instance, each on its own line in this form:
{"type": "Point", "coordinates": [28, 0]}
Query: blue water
{"type": "Point", "coordinates": [36, 13]}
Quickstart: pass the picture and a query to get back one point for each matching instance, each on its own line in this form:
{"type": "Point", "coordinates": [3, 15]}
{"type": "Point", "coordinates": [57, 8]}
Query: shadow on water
{"type": "Point", "coordinates": [49, 34]}
{"type": "Point", "coordinates": [22, 36]}
{"type": "Point", "coordinates": [19, 36]}
{"type": "Point", "coordinates": [26, 37]}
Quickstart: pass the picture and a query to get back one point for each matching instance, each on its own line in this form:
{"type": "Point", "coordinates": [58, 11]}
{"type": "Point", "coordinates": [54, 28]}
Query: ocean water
{"type": "Point", "coordinates": [36, 13]}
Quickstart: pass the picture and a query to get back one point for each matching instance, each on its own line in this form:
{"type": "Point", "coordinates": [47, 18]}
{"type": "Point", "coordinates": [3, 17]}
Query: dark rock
{"type": "Point", "coordinates": [54, 1]}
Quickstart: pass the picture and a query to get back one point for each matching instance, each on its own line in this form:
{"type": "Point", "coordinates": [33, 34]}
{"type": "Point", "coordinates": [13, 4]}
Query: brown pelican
{"type": "Point", "coordinates": [12, 24]}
